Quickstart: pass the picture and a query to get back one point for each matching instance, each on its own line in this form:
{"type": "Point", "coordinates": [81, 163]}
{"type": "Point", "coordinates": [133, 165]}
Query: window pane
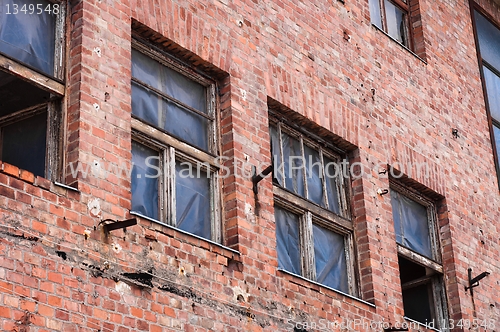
{"type": "Point", "coordinates": [192, 198]}
{"type": "Point", "coordinates": [169, 81]}
{"type": "Point", "coordinates": [164, 114]}
{"type": "Point", "coordinates": [375, 16]}
{"type": "Point", "coordinates": [293, 166]}
{"type": "Point", "coordinates": [313, 176]}
{"type": "Point", "coordinates": [187, 125]}
{"type": "Point", "coordinates": [146, 104]}
{"type": "Point", "coordinates": [492, 82]}
{"type": "Point", "coordinates": [331, 172]}
{"type": "Point", "coordinates": [329, 253]}
{"type": "Point", "coordinates": [496, 133]}
{"type": "Point", "coordinates": [411, 224]}
{"type": "Point", "coordinates": [24, 144]}
{"type": "Point", "coordinates": [287, 240]}
{"type": "Point", "coordinates": [396, 23]}
{"type": "Point", "coordinates": [145, 175]}
{"type": "Point", "coordinates": [28, 38]}
{"type": "Point", "coordinates": [276, 156]}
{"type": "Point", "coordinates": [489, 40]}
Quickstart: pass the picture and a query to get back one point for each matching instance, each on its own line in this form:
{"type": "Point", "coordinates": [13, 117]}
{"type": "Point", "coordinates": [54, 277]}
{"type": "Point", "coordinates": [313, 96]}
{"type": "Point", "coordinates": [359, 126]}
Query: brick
{"type": "Point", "coordinates": [10, 169]}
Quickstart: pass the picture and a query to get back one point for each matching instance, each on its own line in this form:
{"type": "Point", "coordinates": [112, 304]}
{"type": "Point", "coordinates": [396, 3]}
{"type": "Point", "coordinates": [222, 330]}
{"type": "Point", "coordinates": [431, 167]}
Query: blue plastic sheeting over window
{"type": "Point", "coordinates": [145, 175]}
{"type": "Point", "coordinates": [192, 194]}
{"type": "Point", "coordinates": [287, 238]}
{"type": "Point", "coordinates": [489, 40]}
{"type": "Point", "coordinates": [163, 113]}
{"type": "Point", "coordinates": [331, 184]}
{"type": "Point", "coordinates": [24, 144]}
{"type": "Point", "coordinates": [315, 191]}
{"type": "Point", "coordinates": [296, 171]}
{"type": "Point", "coordinates": [293, 166]}
{"type": "Point", "coordinates": [411, 224]}
{"type": "Point", "coordinates": [329, 254]}
{"type": "Point", "coordinates": [28, 38]}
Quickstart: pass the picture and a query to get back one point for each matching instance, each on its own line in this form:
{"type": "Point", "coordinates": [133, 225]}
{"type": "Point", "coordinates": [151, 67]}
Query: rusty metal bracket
{"type": "Point", "coordinates": [117, 224]}
{"type": "Point", "coordinates": [256, 178]}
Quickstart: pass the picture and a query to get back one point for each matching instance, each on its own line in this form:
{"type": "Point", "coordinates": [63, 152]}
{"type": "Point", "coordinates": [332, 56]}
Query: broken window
{"type": "Point", "coordinates": [313, 229]}
{"type": "Point", "coordinates": [173, 149]}
{"type": "Point", "coordinates": [401, 20]}
{"type": "Point", "coordinates": [421, 273]}
{"type": "Point", "coordinates": [488, 37]}
{"type": "Point", "coordinates": [31, 84]}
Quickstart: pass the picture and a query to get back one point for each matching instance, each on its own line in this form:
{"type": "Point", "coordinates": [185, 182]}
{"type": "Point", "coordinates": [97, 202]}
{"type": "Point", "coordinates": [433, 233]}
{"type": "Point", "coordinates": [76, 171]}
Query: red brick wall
{"type": "Point", "coordinates": [322, 60]}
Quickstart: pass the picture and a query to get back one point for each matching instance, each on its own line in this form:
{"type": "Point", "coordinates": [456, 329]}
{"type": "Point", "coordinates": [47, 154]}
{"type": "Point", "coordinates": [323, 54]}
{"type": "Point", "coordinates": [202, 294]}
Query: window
{"type": "Point", "coordinates": [401, 20]}
{"type": "Point", "coordinates": [313, 227]}
{"type": "Point", "coordinates": [31, 86]}
{"type": "Point", "coordinates": [174, 154]}
{"type": "Point", "coordinates": [488, 37]}
{"type": "Point", "coordinates": [418, 249]}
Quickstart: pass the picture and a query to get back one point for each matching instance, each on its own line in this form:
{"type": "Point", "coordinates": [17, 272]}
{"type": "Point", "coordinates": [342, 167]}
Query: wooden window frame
{"type": "Point", "coordinates": [172, 149]}
{"type": "Point", "coordinates": [404, 8]}
{"type": "Point", "coordinates": [433, 265]}
{"type": "Point", "coordinates": [54, 84]}
{"type": "Point", "coordinates": [311, 213]}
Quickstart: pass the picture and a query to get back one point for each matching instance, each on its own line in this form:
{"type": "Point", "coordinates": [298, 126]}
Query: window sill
{"type": "Point", "coordinates": [192, 239]}
{"type": "Point", "coordinates": [397, 42]}
{"type": "Point", "coordinates": [301, 281]}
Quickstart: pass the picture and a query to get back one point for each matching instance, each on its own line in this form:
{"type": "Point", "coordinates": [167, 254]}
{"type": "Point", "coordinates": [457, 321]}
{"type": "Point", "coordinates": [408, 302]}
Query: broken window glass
{"type": "Point", "coordinates": [145, 176]}
{"type": "Point", "coordinates": [192, 192]}
{"type": "Point", "coordinates": [329, 254]}
{"type": "Point", "coordinates": [28, 38]}
{"type": "Point", "coordinates": [287, 240]}
{"type": "Point", "coordinates": [411, 224]}
{"type": "Point", "coordinates": [24, 143]}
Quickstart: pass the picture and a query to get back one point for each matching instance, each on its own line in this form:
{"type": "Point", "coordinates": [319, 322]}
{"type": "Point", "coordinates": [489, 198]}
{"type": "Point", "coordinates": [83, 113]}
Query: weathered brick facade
{"type": "Point", "coordinates": [320, 62]}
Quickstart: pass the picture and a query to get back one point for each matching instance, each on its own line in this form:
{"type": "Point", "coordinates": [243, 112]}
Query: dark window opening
{"type": "Point", "coordinates": [23, 124]}
{"type": "Point", "coordinates": [416, 286]}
